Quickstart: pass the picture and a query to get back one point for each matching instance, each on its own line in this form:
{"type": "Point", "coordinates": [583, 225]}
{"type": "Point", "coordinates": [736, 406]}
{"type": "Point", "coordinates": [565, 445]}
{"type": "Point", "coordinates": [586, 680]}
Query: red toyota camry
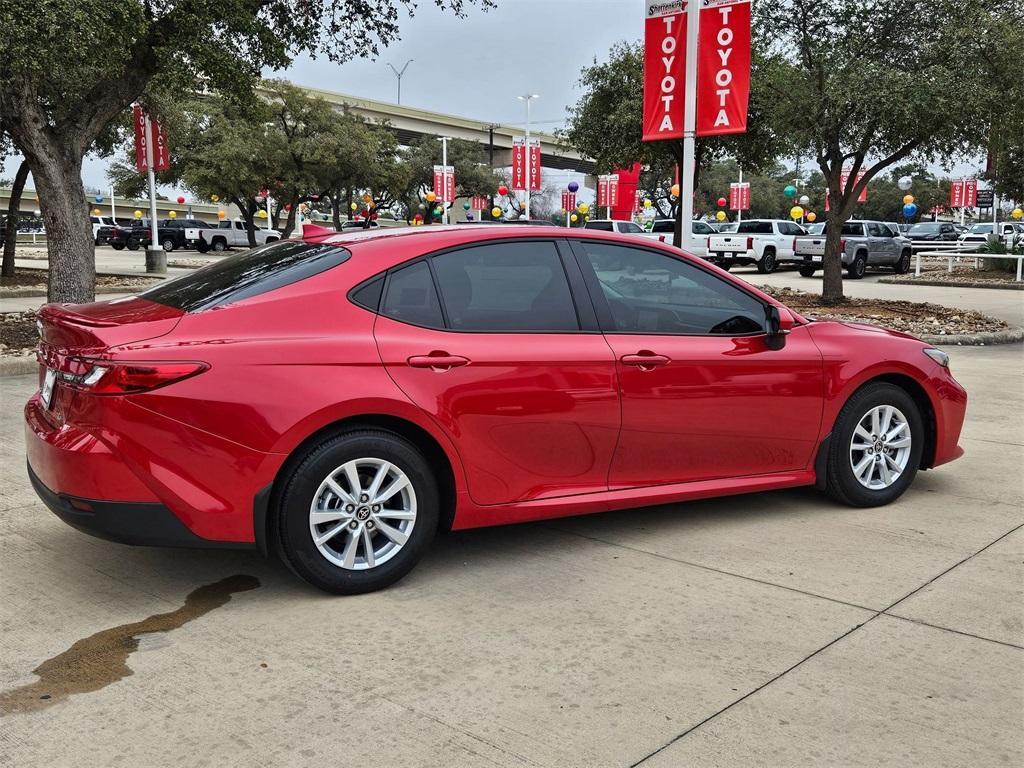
{"type": "Point", "coordinates": [338, 398]}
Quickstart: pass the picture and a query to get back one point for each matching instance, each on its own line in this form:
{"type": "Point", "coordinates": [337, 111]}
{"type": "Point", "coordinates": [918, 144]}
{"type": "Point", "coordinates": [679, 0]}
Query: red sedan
{"type": "Point", "coordinates": [338, 398]}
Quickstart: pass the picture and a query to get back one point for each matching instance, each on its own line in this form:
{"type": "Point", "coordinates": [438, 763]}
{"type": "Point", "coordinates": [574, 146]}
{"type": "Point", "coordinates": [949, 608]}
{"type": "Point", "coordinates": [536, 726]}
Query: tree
{"type": "Point", "coordinates": [606, 125]}
{"type": "Point", "coordinates": [59, 91]}
{"type": "Point", "coordinates": [472, 174]}
{"type": "Point", "coordinates": [862, 85]}
{"type": "Point", "coordinates": [13, 206]}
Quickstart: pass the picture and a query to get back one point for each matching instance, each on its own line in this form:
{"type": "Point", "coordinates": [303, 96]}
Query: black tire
{"type": "Point", "coordinates": [117, 246]}
{"type": "Point", "coordinates": [133, 244]}
{"type": "Point", "coordinates": [806, 271]}
{"type": "Point", "coordinates": [293, 536]}
{"type": "Point", "coordinates": [842, 484]}
{"type": "Point", "coordinates": [767, 263]}
{"type": "Point", "coordinates": [903, 265]}
{"type": "Point", "coordinates": [857, 267]}
{"type": "Point", "coordinates": [168, 244]}
{"type": "Point", "coordinates": [203, 247]}
{"type": "Point", "coordinates": [726, 265]}
{"type": "Point", "coordinates": [219, 245]}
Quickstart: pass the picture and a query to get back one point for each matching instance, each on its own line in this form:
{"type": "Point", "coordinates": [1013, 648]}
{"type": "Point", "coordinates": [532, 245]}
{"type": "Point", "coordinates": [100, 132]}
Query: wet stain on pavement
{"type": "Point", "coordinates": [101, 659]}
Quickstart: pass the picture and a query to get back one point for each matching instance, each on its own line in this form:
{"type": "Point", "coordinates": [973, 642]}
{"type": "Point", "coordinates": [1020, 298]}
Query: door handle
{"type": "Point", "coordinates": [438, 361]}
{"type": "Point", "coordinates": [645, 360]}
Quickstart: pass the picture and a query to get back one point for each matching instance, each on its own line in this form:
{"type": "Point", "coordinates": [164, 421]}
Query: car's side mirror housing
{"type": "Point", "coordinates": [779, 321]}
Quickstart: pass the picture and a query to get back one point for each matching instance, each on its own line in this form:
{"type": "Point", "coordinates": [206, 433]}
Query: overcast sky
{"type": "Point", "coordinates": [474, 67]}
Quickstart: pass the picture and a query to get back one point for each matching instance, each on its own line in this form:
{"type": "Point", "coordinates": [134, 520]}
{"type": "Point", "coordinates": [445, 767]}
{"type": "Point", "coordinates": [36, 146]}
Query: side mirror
{"type": "Point", "coordinates": [779, 321]}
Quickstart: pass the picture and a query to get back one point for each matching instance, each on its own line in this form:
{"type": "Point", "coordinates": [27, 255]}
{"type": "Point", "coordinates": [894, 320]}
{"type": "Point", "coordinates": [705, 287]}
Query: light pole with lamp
{"type": "Point", "coordinates": [398, 74]}
{"type": "Point", "coordinates": [528, 98]}
{"type": "Point", "coordinates": [444, 176]}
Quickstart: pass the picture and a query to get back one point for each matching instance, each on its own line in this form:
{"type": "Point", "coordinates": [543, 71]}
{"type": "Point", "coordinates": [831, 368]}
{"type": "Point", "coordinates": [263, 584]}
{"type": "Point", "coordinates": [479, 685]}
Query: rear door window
{"type": "Point", "coordinates": [247, 274]}
{"type": "Point", "coordinates": [410, 297]}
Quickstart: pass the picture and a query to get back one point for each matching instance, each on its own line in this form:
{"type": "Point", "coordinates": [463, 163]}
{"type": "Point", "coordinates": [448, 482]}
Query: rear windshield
{"type": "Point", "coordinates": [247, 274]}
{"type": "Point", "coordinates": [926, 227]}
{"type": "Point", "coordinates": [604, 226]}
{"type": "Point", "coordinates": [755, 227]}
{"type": "Point", "coordinates": [850, 229]}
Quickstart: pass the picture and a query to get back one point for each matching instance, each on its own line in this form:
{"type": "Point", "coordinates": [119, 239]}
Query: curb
{"type": "Point", "coordinates": [18, 366]}
{"type": "Point", "coordinates": [951, 284]}
{"type": "Point", "coordinates": [1009, 336]}
{"type": "Point", "coordinates": [38, 293]}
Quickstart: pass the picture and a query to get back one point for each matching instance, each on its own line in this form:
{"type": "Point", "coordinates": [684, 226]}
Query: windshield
{"type": "Point", "coordinates": [247, 274]}
{"type": "Point", "coordinates": [925, 228]}
{"type": "Point", "coordinates": [981, 229]}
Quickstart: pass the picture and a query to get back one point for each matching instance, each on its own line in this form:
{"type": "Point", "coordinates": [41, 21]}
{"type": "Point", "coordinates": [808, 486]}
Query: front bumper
{"type": "Point", "coordinates": [142, 523]}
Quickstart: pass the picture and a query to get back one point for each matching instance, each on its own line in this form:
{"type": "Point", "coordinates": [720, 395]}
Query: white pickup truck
{"type": "Point", "coordinates": [227, 234]}
{"type": "Point", "coordinates": [864, 244]}
{"type": "Point", "coordinates": [763, 242]}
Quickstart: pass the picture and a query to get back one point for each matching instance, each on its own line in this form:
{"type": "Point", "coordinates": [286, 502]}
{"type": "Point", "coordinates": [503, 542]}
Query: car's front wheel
{"type": "Point", "coordinates": [767, 263]}
{"type": "Point", "coordinates": [357, 512]}
{"type": "Point", "coordinates": [876, 446]}
{"type": "Point", "coordinates": [806, 271]}
{"type": "Point", "coordinates": [903, 265]}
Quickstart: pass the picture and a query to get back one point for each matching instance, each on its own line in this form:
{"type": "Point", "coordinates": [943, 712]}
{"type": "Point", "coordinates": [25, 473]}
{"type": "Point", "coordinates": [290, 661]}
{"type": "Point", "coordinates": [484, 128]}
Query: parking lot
{"type": "Point", "coordinates": [771, 629]}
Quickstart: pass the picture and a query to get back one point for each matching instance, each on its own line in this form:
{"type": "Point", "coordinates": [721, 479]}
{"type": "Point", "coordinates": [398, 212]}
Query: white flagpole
{"type": "Point", "coordinates": [689, 122]}
{"type": "Point", "coordinates": [739, 198]}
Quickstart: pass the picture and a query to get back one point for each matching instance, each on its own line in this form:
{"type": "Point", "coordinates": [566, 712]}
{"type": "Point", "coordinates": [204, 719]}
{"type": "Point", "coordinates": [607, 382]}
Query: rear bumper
{"type": "Point", "coordinates": [142, 523]}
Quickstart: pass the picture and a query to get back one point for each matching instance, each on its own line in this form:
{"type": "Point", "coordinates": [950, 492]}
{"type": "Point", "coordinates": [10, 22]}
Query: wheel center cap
{"type": "Point", "coordinates": [362, 513]}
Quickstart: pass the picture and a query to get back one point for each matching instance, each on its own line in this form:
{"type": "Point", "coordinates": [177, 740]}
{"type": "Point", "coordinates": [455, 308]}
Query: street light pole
{"type": "Point", "coordinates": [528, 98]}
{"type": "Point", "coordinates": [444, 176]}
{"type": "Point", "coordinates": [398, 74]}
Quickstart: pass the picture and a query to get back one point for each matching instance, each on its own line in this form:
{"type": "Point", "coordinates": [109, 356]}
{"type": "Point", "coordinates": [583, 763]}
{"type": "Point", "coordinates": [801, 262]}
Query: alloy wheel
{"type": "Point", "coordinates": [880, 447]}
{"type": "Point", "coordinates": [363, 513]}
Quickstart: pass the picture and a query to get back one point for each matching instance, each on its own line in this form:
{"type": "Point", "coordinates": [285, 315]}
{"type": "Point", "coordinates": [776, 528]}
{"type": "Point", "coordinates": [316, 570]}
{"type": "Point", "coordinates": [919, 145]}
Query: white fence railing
{"type": "Point", "coordinates": [956, 252]}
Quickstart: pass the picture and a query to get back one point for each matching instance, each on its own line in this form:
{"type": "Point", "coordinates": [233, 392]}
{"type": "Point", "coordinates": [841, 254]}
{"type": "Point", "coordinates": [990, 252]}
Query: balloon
{"type": "Point", "coordinates": [138, 214]}
{"type": "Point", "coordinates": [173, 214]}
{"type": "Point", "coordinates": [586, 218]}
{"type": "Point", "coordinates": [812, 216]}
{"type": "Point", "coordinates": [261, 215]}
{"type": "Point", "coordinates": [1017, 214]}
{"type": "Point", "coordinates": [496, 212]}
{"type": "Point", "coordinates": [648, 203]}
{"type": "Point", "coordinates": [95, 211]}
{"type": "Point", "coordinates": [417, 217]}
{"type": "Point", "coordinates": [422, 207]}
{"type": "Point", "coordinates": [804, 199]}
{"type": "Point", "coordinates": [181, 200]}
{"type": "Point", "coordinates": [675, 190]}
{"type": "Point", "coordinates": [287, 206]}
{"type": "Point", "coordinates": [908, 199]}
{"type": "Point", "coordinates": [439, 211]}
{"type": "Point", "coordinates": [909, 210]}
{"type": "Point", "coordinates": [224, 215]}
{"type": "Point", "coordinates": [720, 216]}
{"type": "Point", "coordinates": [574, 217]}
{"type": "Point", "coordinates": [215, 198]}
{"type": "Point", "coordinates": [98, 198]}
{"type": "Point", "coordinates": [789, 191]}
{"type": "Point", "coordinates": [466, 206]}
{"type": "Point", "coordinates": [583, 208]}
{"type": "Point", "coordinates": [905, 183]}
{"type": "Point", "coordinates": [573, 186]}
{"type": "Point", "coordinates": [259, 198]}
{"type": "Point", "coordinates": [502, 190]}
{"type": "Point", "coordinates": [469, 217]}
{"type": "Point", "coordinates": [431, 197]}
{"type": "Point", "coordinates": [354, 207]}
{"type": "Point", "coordinates": [796, 212]}
{"type": "Point", "coordinates": [721, 202]}
{"type": "Point", "coordinates": [367, 197]}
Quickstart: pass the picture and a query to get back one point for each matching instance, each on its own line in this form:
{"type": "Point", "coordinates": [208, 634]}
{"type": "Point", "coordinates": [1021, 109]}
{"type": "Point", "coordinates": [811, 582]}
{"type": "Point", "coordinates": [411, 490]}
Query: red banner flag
{"type": "Point", "coordinates": [844, 181]}
{"type": "Point", "coordinates": [956, 194]}
{"type": "Point", "coordinates": [602, 190]}
{"type": "Point", "coordinates": [970, 193]}
{"type": "Point", "coordinates": [535, 165]}
{"type": "Point", "coordinates": [568, 201]}
{"type": "Point", "coordinates": [664, 69]}
{"type": "Point", "coordinates": [739, 196]}
{"type": "Point", "coordinates": [139, 119]}
{"type": "Point", "coordinates": [161, 152]}
{"type": "Point", "coordinates": [444, 183]}
{"type": "Point", "coordinates": [723, 67]}
{"type": "Point", "coordinates": [518, 163]}
{"type": "Point", "coordinates": [154, 140]}
{"type": "Point", "coordinates": [478, 203]}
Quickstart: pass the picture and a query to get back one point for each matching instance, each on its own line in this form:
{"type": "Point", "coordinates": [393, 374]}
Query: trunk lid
{"type": "Point", "coordinates": [82, 329]}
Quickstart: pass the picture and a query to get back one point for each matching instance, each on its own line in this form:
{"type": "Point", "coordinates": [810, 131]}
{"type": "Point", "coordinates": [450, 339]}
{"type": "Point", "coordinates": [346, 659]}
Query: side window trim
{"type": "Point", "coordinates": [604, 313]}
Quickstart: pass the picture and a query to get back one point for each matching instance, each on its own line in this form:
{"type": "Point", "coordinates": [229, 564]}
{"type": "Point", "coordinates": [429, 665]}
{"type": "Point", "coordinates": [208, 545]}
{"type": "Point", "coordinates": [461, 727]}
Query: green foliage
{"type": "Point", "coordinates": [472, 174]}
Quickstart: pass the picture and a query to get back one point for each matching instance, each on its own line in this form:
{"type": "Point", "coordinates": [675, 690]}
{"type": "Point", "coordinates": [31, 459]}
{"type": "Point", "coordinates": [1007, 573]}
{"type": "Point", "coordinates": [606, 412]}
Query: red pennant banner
{"type": "Point", "coordinates": [723, 67]}
{"type": "Point", "coordinates": [664, 69]}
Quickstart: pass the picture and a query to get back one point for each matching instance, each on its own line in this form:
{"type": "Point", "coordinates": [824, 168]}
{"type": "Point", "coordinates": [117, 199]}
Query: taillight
{"type": "Point", "coordinates": [842, 246]}
{"type": "Point", "coordinates": [750, 243]}
{"type": "Point", "coordinates": [793, 247]}
{"type": "Point", "coordinates": [661, 238]}
{"type": "Point", "coordinates": [110, 377]}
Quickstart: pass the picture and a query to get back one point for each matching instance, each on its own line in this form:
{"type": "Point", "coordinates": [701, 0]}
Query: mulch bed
{"type": "Point", "coordinates": [36, 278]}
{"type": "Point", "coordinates": [913, 317]}
{"type": "Point", "coordinates": [18, 334]}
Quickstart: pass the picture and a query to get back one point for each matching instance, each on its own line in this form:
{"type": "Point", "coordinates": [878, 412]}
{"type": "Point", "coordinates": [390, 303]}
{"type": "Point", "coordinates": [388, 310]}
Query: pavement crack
{"type": "Point", "coordinates": [97, 661]}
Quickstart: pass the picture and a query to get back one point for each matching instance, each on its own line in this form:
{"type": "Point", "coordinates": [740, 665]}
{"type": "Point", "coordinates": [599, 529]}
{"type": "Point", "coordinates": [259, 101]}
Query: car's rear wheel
{"type": "Point", "coordinates": [806, 271]}
{"type": "Point", "coordinates": [767, 263]}
{"type": "Point", "coordinates": [219, 245]}
{"type": "Point", "coordinates": [357, 512]}
{"type": "Point", "coordinates": [168, 244]}
{"type": "Point", "coordinates": [903, 265]}
{"type": "Point", "coordinates": [726, 265]}
{"type": "Point", "coordinates": [858, 267]}
{"type": "Point", "coordinates": [117, 246]}
{"type": "Point", "coordinates": [133, 244]}
{"type": "Point", "coordinates": [876, 446]}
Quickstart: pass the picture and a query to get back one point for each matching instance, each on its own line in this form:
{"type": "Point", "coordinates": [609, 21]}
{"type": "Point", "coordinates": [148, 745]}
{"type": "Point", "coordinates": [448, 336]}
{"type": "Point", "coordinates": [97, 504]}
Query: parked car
{"type": "Point", "coordinates": [864, 244]}
{"type": "Point", "coordinates": [614, 225]}
{"type": "Point", "coordinates": [124, 235]}
{"type": "Point", "coordinates": [765, 243]}
{"type": "Point", "coordinates": [338, 398]}
{"type": "Point", "coordinates": [359, 225]}
{"type": "Point", "coordinates": [174, 233]}
{"type": "Point", "coordinates": [925, 234]}
{"type": "Point", "coordinates": [100, 221]}
{"type": "Point", "coordinates": [227, 234]}
{"type": "Point", "coordinates": [663, 230]}
{"type": "Point", "coordinates": [979, 233]}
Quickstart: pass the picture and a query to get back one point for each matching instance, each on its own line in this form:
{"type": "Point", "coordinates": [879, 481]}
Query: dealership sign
{"type": "Point", "coordinates": [963, 193]}
{"type": "Point", "coordinates": [568, 201]}
{"type": "Point", "coordinates": [519, 170]}
{"type": "Point", "coordinates": [722, 73]}
{"type": "Point", "coordinates": [150, 142]}
{"type": "Point", "coordinates": [608, 190]}
{"type": "Point", "coordinates": [444, 183]}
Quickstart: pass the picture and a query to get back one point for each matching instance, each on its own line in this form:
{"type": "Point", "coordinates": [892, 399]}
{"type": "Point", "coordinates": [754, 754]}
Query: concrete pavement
{"type": "Point", "coordinates": [771, 629]}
